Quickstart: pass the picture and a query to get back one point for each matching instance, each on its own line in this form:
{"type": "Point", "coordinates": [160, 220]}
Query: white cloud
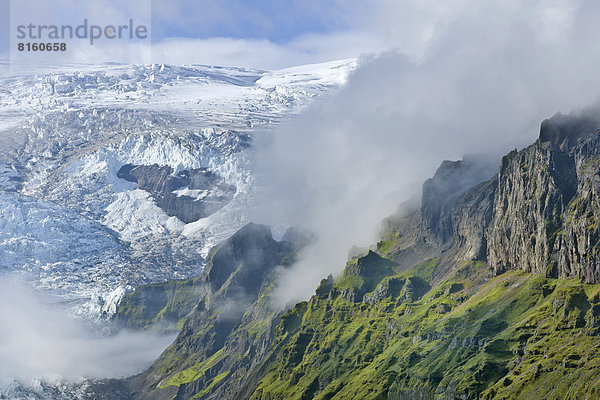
{"type": "Point", "coordinates": [263, 54]}
{"type": "Point", "coordinates": [38, 340]}
{"type": "Point", "coordinates": [481, 82]}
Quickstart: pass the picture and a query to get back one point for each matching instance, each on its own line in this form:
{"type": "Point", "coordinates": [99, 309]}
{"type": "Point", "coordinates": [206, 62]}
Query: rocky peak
{"type": "Point", "coordinates": [537, 213]}
{"type": "Point", "coordinates": [251, 252]}
{"type": "Point", "coordinates": [565, 131]}
{"type": "Point", "coordinates": [234, 320]}
{"type": "Point", "coordinates": [362, 275]}
{"type": "Point", "coordinates": [547, 202]}
{"type": "Point", "coordinates": [371, 264]}
{"type": "Point", "coordinates": [450, 181]}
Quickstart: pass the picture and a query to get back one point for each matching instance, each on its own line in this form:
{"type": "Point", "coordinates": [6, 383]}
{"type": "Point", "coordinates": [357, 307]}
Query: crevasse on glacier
{"type": "Point", "coordinates": [77, 230]}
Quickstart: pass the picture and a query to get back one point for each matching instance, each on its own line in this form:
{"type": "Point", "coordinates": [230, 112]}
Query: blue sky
{"type": "Point", "coordinates": [276, 20]}
{"type": "Point", "coordinates": [4, 25]}
{"type": "Point", "coordinates": [254, 33]}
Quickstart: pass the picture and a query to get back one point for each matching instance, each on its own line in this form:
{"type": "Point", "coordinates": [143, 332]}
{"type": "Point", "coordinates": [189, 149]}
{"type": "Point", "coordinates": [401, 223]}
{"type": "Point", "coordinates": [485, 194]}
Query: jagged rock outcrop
{"type": "Point", "coordinates": [444, 190]}
{"type": "Point", "coordinates": [547, 203]}
{"type": "Point", "coordinates": [362, 274]}
{"type": "Point", "coordinates": [539, 212]}
{"type": "Point", "coordinates": [451, 221]}
{"type": "Point", "coordinates": [188, 195]}
{"type": "Point", "coordinates": [422, 316]}
{"type": "Point", "coordinates": [230, 328]}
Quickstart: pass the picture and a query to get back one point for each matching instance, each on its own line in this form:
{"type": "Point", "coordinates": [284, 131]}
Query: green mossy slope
{"type": "Point", "coordinates": [160, 307]}
{"type": "Point", "coordinates": [516, 336]}
{"type": "Point", "coordinates": [477, 292]}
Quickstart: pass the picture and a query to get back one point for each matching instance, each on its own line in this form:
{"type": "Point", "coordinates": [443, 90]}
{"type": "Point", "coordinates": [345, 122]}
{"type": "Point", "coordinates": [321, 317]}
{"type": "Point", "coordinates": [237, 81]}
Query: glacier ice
{"type": "Point", "coordinates": [70, 226]}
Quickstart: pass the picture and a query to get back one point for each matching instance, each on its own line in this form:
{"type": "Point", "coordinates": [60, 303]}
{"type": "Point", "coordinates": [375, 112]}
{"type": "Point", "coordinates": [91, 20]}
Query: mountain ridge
{"type": "Point", "coordinates": [455, 302]}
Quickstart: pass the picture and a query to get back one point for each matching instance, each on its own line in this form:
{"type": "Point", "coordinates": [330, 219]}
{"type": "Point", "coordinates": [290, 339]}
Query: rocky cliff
{"type": "Point", "coordinates": [538, 213]}
{"type": "Point", "coordinates": [547, 205]}
{"type": "Point", "coordinates": [469, 294]}
{"type": "Point", "coordinates": [230, 327]}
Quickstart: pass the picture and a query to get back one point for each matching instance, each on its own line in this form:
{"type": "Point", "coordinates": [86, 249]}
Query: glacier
{"type": "Point", "coordinates": [83, 237]}
{"type": "Point", "coordinates": [70, 226]}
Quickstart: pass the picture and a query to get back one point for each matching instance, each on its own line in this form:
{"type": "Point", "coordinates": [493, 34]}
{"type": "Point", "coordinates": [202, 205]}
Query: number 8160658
{"type": "Point", "coordinates": [42, 47]}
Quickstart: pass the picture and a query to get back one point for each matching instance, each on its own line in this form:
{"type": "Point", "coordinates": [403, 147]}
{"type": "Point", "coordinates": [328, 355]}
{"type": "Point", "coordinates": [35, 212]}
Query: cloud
{"type": "Point", "coordinates": [255, 34]}
{"type": "Point", "coordinates": [249, 53]}
{"type": "Point", "coordinates": [39, 341]}
{"type": "Point", "coordinates": [479, 79]}
{"type": "Point", "coordinates": [262, 54]}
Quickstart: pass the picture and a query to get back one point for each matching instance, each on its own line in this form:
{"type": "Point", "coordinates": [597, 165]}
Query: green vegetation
{"type": "Point", "coordinates": [212, 383]}
{"type": "Point", "coordinates": [386, 246]}
{"type": "Point", "coordinates": [363, 273]}
{"type": "Point", "coordinates": [517, 336]}
{"type": "Point", "coordinates": [161, 307]}
{"type": "Point", "coordinates": [195, 372]}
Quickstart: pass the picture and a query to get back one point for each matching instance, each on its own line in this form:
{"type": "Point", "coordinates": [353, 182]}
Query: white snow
{"type": "Point", "coordinates": [82, 233]}
{"type": "Point", "coordinates": [135, 215]}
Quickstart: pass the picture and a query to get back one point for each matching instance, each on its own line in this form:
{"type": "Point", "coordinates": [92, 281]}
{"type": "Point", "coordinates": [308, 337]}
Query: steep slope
{"type": "Point", "coordinates": [230, 328]}
{"type": "Point", "coordinates": [457, 331]}
{"type": "Point", "coordinates": [517, 336]}
{"type": "Point", "coordinates": [547, 205]}
{"type": "Point", "coordinates": [160, 307]}
{"type": "Point", "coordinates": [451, 218]}
{"type": "Point", "coordinates": [486, 288]}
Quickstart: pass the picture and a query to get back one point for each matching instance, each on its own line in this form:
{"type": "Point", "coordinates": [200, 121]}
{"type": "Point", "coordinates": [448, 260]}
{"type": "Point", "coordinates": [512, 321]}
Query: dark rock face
{"type": "Point", "coordinates": [563, 132]}
{"type": "Point", "coordinates": [211, 194]}
{"type": "Point", "coordinates": [440, 193]}
{"type": "Point", "coordinates": [547, 203]}
{"type": "Point", "coordinates": [453, 218]}
{"type": "Point", "coordinates": [470, 217]}
{"type": "Point", "coordinates": [241, 264]}
{"type": "Point", "coordinates": [539, 212]}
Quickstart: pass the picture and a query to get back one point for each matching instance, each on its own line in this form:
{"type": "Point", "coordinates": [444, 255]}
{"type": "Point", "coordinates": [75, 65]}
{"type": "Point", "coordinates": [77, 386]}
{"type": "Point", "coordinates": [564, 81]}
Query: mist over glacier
{"type": "Point", "coordinates": [85, 236]}
{"type": "Point", "coordinates": [466, 77]}
{"type": "Point", "coordinates": [39, 341]}
{"type": "Point", "coordinates": [471, 77]}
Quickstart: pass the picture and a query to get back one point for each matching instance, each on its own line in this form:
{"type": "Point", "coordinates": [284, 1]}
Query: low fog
{"type": "Point", "coordinates": [475, 77]}
{"type": "Point", "coordinates": [39, 340]}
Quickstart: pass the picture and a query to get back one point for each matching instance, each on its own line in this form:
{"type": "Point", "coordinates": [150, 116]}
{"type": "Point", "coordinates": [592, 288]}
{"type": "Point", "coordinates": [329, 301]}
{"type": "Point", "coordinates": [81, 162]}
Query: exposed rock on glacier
{"type": "Point", "coordinates": [64, 135]}
{"type": "Point", "coordinates": [189, 195]}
